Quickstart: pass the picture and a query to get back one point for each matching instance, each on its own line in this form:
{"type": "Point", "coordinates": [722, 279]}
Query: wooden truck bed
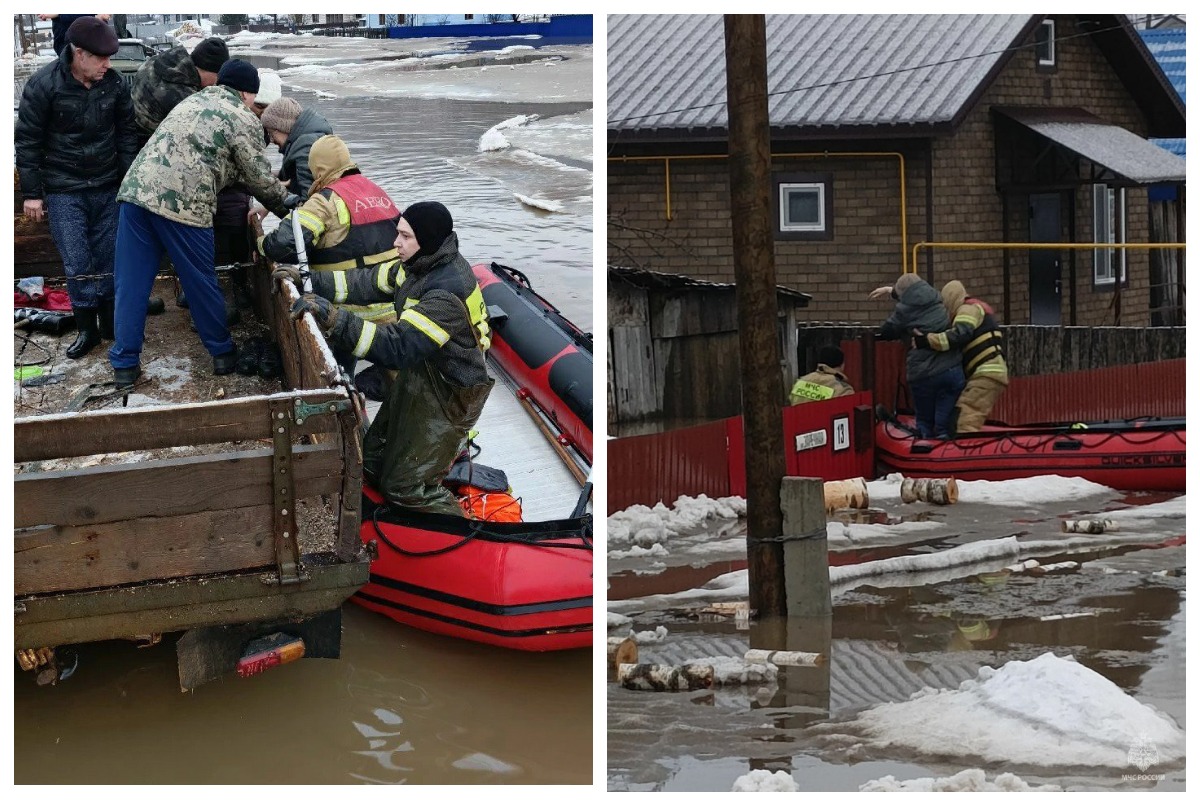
{"type": "Point", "coordinates": [224, 510]}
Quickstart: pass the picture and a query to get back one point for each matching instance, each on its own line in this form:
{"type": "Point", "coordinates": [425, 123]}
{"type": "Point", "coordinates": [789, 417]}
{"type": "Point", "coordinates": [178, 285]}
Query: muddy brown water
{"type": "Point", "coordinates": [401, 705]}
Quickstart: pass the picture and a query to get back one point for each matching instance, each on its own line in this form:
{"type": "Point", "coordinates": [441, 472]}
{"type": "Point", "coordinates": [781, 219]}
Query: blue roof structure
{"type": "Point", "coordinates": [1169, 48]}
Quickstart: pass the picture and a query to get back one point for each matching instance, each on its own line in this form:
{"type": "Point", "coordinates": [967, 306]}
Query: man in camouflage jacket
{"type": "Point", "coordinates": [165, 80]}
{"type": "Point", "coordinates": [208, 141]}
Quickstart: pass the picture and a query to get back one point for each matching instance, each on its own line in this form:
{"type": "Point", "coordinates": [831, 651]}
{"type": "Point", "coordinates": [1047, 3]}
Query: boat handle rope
{"type": "Point", "coordinates": [477, 533]}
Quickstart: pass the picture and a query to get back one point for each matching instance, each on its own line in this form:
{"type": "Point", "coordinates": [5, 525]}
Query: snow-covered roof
{"type": "Point", "coordinates": [1169, 48]}
{"type": "Point", "coordinates": [674, 66]}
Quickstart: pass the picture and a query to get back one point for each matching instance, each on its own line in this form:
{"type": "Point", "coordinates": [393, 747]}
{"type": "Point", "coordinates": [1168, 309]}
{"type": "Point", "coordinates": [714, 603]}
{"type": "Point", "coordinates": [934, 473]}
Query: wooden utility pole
{"type": "Point", "coordinates": [757, 302]}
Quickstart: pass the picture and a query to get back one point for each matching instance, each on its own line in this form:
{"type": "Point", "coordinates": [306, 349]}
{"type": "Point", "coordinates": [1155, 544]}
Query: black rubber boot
{"type": "Point", "coordinates": [89, 333]}
{"type": "Point", "coordinates": [126, 376]}
{"type": "Point", "coordinates": [105, 319]}
{"type": "Point", "coordinates": [225, 363]}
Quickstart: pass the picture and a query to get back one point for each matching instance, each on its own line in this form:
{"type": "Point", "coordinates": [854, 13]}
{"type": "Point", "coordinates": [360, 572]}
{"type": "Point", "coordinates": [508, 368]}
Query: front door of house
{"type": "Point", "coordinates": [1045, 265]}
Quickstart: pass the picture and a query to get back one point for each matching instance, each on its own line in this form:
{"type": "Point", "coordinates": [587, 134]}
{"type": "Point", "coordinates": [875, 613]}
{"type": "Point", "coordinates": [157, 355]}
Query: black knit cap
{"type": "Point", "coordinates": [830, 356]}
{"type": "Point", "coordinates": [239, 75]}
{"type": "Point", "coordinates": [431, 223]}
{"type": "Point", "coordinates": [93, 35]}
{"type": "Point", "coordinates": [210, 54]}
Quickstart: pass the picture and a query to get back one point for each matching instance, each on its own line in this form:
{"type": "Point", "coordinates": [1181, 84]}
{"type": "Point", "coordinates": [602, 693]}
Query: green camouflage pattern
{"type": "Point", "coordinates": [159, 85]}
{"type": "Point", "coordinates": [208, 142]}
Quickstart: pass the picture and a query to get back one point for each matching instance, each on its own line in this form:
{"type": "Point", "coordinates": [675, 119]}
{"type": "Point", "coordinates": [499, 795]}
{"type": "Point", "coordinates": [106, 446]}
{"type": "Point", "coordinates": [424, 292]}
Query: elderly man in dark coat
{"type": "Point", "coordinates": [75, 139]}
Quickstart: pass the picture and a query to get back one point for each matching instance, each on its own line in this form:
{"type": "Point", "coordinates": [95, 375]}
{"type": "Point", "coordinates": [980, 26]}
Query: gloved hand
{"type": "Point", "coordinates": [291, 201]}
{"type": "Point", "coordinates": [883, 292]}
{"type": "Point", "coordinates": [285, 273]}
{"type": "Point", "coordinates": [920, 341]}
{"type": "Point", "coordinates": [321, 309]}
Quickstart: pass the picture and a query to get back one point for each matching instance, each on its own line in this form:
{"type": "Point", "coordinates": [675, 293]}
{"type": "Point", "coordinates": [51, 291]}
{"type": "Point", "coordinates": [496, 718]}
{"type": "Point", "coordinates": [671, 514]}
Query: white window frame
{"type": "Point", "coordinates": [1051, 60]}
{"type": "Point", "coordinates": [1109, 213]}
{"type": "Point", "coordinates": [784, 224]}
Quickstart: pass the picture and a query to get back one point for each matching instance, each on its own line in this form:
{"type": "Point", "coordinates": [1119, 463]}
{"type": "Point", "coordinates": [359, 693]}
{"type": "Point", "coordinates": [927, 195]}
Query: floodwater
{"type": "Point", "coordinates": [400, 706]}
{"type": "Point", "coordinates": [1121, 615]}
{"type": "Point", "coordinates": [421, 149]}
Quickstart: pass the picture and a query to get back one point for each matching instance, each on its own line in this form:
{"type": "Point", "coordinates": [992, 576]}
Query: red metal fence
{"type": "Point", "coordinates": [711, 458]}
{"type": "Point", "coordinates": [1155, 389]}
{"type": "Point", "coordinates": [835, 442]}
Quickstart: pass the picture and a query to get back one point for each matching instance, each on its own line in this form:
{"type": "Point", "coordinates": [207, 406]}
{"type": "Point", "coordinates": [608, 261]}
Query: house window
{"type": "Point", "coordinates": [803, 206]}
{"type": "Point", "coordinates": [468, 16]}
{"type": "Point", "coordinates": [1108, 205]}
{"type": "Point", "coordinates": [1045, 44]}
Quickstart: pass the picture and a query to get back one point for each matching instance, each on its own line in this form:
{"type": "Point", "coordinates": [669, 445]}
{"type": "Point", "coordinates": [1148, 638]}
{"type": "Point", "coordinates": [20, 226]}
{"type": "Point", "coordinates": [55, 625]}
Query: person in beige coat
{"type": "Point", "coordinates": [825, 382]}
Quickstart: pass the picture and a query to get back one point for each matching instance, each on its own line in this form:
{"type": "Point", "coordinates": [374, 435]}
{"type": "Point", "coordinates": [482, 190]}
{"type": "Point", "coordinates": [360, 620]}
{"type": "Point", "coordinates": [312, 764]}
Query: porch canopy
{"type": "Point", "coordinates": [1119, 150]}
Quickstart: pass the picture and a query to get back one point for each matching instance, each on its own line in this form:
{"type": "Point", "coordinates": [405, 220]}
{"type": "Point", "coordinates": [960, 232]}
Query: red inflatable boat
{"type": "Point", "coordinates": [518, 585]}
{"type": "Point", "coordinates": [547, 356]}
{"type": "Point", "coordinates": [1143, 454]}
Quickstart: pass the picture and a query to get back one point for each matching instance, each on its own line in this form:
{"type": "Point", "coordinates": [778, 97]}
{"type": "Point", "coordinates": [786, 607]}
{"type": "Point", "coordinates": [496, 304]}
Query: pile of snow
{"type": "Point", "coordinates": [965, 781]}
{"type": "Point", "coordinates": [493, 140]}
{"type": "Point", "coordinates": [1048, 711]}
{"type": "Point", "coordinates": [655, 636]}
{"type": "Point", "coordinates": [1034, 490]}
{"type": "Point", "coordinates": [649, 528]}
{"type": "Point", "coordinates": [1002, 550]}
{"type": "Point", "coordinates": [764, 781]}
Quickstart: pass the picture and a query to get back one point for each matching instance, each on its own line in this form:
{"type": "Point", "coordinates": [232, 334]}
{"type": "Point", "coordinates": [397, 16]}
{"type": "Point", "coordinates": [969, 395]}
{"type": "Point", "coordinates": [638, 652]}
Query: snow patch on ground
{"type": "Point", "coordinates": [1049, 711]}
{"type": "Point", "coordinates": [1033, 490]}
{"type": "Point", "coordinates": [765, 781]}
{"type": "Point", "coordinates": [646, 527]}
{"type": "Point", "coordinates": [655, 636]}
{"type": "Point", "coordinates": [618, 620]}
{"type": "Point", "coordinates": [965, 781]}
{"type": "Point", "coordinates": [171, 373]}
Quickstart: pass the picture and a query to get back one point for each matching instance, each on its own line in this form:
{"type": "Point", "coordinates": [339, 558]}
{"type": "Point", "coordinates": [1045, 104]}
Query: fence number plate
{"type": "Point", "coordinates": [812, 439]}
{"type": "Point", "coordinates": [841, 433]}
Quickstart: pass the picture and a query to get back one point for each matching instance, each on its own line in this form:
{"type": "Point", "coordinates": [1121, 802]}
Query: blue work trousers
{"type": "Point", "coordinates": [84, 228]}
{"type": "Point", "coordinates": [142, 236]}
{"type": "Point", "coordinates": [934, 398]}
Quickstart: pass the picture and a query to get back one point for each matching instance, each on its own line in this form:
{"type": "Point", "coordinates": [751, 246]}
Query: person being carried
{"type": "Point", "coordinates": [827, 381]}
{"type": "Point", "coordinates": [934, 378]}
{"type": "Point", "coordinates": [436, 346]}
{"type": "Point", "coordinates": [973, 330]}
{"type": "Point", "coordinates": [208, 141]}
{"type": "Point", "coordinates": [75, 139]}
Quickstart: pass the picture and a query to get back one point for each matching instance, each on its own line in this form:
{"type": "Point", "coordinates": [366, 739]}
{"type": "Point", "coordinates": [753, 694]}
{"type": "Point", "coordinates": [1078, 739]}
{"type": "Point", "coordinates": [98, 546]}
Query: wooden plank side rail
{"type": "Point", "coordinates": [57, 436]}
{"type": "Point", "coordinates": [168, 487]}
{"type": "Point", "coordinates": [61, 558]}
{"type": "Point", "coordinates": [71, 618]}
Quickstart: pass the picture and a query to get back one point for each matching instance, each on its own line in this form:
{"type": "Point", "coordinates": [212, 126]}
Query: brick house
{"type": "Point", "coordinates": [893, 130]}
